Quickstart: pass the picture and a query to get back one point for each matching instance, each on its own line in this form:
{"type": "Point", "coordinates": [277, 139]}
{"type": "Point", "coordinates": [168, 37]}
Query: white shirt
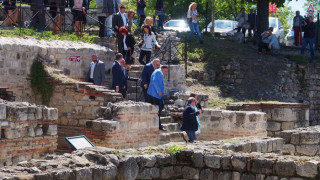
{"type": "Point", "coordinates": [93, 65]}
{"type": "Point", "coordinates": [124, 19]}
{"type": "Point", "coordinates": [124, 43]}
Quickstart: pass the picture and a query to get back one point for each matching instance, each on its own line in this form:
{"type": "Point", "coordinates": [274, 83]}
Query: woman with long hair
{"type": "Point", "coordinates": [128, 45]}
{"type": "Point", "coordinates": [193, 21]}
{"type": "Point", "coordinates": [146, 44]}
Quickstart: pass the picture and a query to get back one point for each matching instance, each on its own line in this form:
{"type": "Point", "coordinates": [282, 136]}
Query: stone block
{"type": "Point", "coordinates": [177, 171]}
{"type": "Point", "coordinates": [206, 174]}
{"type": "Point", "coordinates": [212, 161]}
{"type": "Point", "coordinates": [259, 146]}
{"type": "Point", "coordinates": [11, 133]}
{"type": "Point", "coordinates": [295, 138]}
{"type": "Point", "coordinates": [50, 129]}
{"type": "Point", "coordinates": [83, 174]}
{"type": "Point", "coordinates": [236, 176]}
{"type": "Point", "coordinates": [3, 114]}
{"type": "Point", "coordinates": [149, 173]}
{"type": "Point", "coordinates": [262, 166]}
{"type": "Point", "coordinates": [282, 114]}
{"type": "Point", "coordinates": [226, 162]}
{"type": "Point", "coordinates": [128, 169]}
{"type": "Point", "coordinates": [309, 150]}
{"type": "Point", "coordinates": [277, 144]}
{"type": "Point", "coordinates": [190, 173]}
{"type": "Point", "coordinates": [260, 177]}
{"type": "Point", "coordinates": [38, 131]}
{"type": "Point", "coordinates": [309, 138]}
{"type": "Point", "coordinates": [31, 132]}
{"type": "Point", "coordinates": [50, 114]}
{"type": "Point", "coordinates": [272, 178]}
{"type": "Point", "coordinates": [147, 161]}
{"type": "Point", "coordinates": [285, 168]}
{"type": "Point", "coordinates": [108, 125]}
{"type": "Point", "coordinates": [248, 177]}
{"type": "Point", "coordinates": [287, 126]}
{"type": "Point", "coordinates": [198, 159]}
{"type": "Point", "coordinates": [273, 126]}
{"type": "Point", "coordinates": [309, 169]}
{"type": "Point", "coordinates": [166, 172]}
{"type": "Point", "coordinates": [288, 149]}
{"type": "Point", "coordinates": [239, 163]}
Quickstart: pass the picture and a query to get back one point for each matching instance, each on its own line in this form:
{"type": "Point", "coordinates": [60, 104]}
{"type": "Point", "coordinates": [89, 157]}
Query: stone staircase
{"type": "Point", "coordinates": [173, 133]}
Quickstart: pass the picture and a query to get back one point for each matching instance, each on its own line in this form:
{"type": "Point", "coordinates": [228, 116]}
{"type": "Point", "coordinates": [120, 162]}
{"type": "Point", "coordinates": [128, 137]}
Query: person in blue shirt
{"type": "Point", "coordinates": [156, 89]}
{"type": "Point", "coordinates": [145, 76]}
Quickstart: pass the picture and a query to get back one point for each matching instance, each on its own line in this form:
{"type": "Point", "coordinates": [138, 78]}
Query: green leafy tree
{"type": "Point", "coordinates": [315, 3]}
{"type": "Point", "coordinates": [285, 14]}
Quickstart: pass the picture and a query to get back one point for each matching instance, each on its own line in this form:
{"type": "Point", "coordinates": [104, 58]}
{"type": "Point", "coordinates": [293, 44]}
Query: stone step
{"type": "Point", "coordinates": [171, 137]}
{"type": "Point", "coordinates": [172, 127]}
{"type": "Point", "coordinates": [133, 89]}
{"type": "Point", "coordinates": [132, 96]}
{"type": "Point", "coordinates": [136, 67]}
{"type": "Point", "coordinates": [166, 120]}
{"type": "Point", "coordinates": [132, 73]}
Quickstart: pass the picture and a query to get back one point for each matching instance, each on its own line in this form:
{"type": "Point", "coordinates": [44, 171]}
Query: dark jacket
{"type": "Point", "coordinates": [130, 42]}
{"type": "Point", "coordinates": [99, 73]}
{"type": "Point", "coordinates": [309, 30]}
{"type": "Point", "coordinates": [146, 73]}
{"type": "Point", "coordinates": [37, 5]}
{"type": "Point", "coordinates": [108, 7]}
{"type": "Point", "coordinates": [189, 119]}
{"type": "Point", "coordinates": [117, 21]}
{"type": "Point", "coordinates": [159, 5]}
{"type": "Point", "coordinates": [252, 20]}
{"type": "Point", "coordinates": [119, 77]}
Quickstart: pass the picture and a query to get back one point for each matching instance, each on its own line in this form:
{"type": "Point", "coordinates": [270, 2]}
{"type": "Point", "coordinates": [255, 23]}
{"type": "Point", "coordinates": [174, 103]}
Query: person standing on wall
{"type": "Point", "coordinates": [189, 120]}
{"type": "Point", "coordinates": [160, 12]}
{"type": "Point", "coordinates": [119, 77]}
{"type": "Point", "coordinates": [156, 90]}
{"type": "Point", "coordinates": [243, 24]}
{"type": "Point", "coordinates": [97, 71]}
{"type": "Point", "coordinates": [297, 24]}
{"type": "Point", "coordinates": [120, 19]}
{"type": "Point", "coordinates": [193, 22]}
{"type": "Point", "coordinates": [141, 4]}
{"type": "Point", "coordinates": [309, 29]}
{"type": "Point", "coordinates": [145, 76]}
{"type": "Point", "coordinates": [38, 19]}
{"type": "Point", "coordinates": [105, 11]}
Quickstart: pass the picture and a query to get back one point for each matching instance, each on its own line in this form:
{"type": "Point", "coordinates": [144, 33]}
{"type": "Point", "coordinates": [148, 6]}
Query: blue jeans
{"type": "Point", "coordinates": [305, 42]}
{"type": "Point", "coordinates": [194, 27]}
{"type": "Point", "coordinates": [161, 20]}
{"type": "Point", "coordinates": [191, 135]}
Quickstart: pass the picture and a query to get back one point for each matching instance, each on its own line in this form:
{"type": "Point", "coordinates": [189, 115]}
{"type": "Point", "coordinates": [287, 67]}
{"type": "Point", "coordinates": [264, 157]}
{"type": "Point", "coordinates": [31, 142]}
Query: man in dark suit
{"type": "Point", "coordinates": [97, 71]}
{"type": "Point", "coordinates": [189, 119]}
{"type": "Point", "coordinates": [119, 77]}
{"type": "Point", "coordinates": [145, 76]}
{"type": "Point", "coordinates": [120, 19]}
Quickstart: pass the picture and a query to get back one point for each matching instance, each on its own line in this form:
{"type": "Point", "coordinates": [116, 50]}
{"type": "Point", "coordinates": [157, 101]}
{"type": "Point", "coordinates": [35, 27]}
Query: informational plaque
{"type": "Point", "coordinates": [79, 142]}
{"type": "Point", "coordinates": [75, 58]}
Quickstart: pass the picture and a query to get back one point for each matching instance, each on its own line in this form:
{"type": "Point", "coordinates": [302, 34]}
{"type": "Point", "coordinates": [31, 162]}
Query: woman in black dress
{"type": "Point", "coordinates": [128, 45]}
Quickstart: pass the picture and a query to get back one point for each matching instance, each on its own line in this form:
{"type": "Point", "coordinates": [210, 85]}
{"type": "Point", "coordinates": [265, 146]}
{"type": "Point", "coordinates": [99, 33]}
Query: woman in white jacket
{"type": "Point", "coordinates": [146, 45]}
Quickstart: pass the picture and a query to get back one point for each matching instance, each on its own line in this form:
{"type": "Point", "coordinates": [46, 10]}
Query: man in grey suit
{"type": "Point", "coordinates": [97, 71]}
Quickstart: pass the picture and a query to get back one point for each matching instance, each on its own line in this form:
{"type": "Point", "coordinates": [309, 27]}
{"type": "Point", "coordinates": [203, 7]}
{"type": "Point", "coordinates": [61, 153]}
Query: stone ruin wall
{"type": "Point", "coordinates": [27, 131]}
{"type": "Point", "coordinates": [253, 159]}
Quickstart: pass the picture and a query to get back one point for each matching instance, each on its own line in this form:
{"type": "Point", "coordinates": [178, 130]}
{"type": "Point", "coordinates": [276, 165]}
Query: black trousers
{"type": "Point", "coordinates": [142, 54]}
{"type": "Point", "coordinates": [160, 103]}
{"type": "Point", "coordinates": [147, 97]}
{"type": "Point", "coordinates": [38, 20]}
{"type": "Point", "coordinates": [263, 45]}
{"type": "Point", "coordinates": [120, 42]}
{"type": "Point", "coordinates": [142, 18]}
{"type": "Point", "coordinates": [102, 21]}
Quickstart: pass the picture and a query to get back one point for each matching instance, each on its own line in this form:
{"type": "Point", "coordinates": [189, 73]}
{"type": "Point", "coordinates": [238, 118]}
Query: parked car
{"type": "Point", "coordinates": [278, 28]}
{"type": "Point", "coordinates": [179, 25]}
{"type": "Point", "coordinates": [223, 28]}
{"type": "Point", "coordinates": [289, 39]}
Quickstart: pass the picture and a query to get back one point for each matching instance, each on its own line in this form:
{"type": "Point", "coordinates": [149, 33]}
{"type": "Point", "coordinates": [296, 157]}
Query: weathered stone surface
{"type": "Point", "coordinates": [166, 172]}
{"type": "Point", "coordinates": [212, 161]}
{"type": "Point", "coordinates": [206, 174]}
{"type": "Point", "coordinates": [226, 162]}
{"type": "Point", "coordinates": [3, 114]}
{"type": "Point", "coordinates": [262, 166]}
{"type": "Point", "coordinates": [272, 178]}
{"type": "Point", "coordinates": [198, 159]}
{"type": "Point", "coordinates": [128, 169]}
{"type": "Point", "coordinates": [147, 161]}
{"type": "Point", "coordinates": [50, 114]}
{"type": "Point", "coordinates": [285, 168]}
{"type": "Point", "coordinates": [289, 149]}
{"type": "Point", "coordinates": [239, 163]}
{"type": "Point", "coordinates": [308, 169]}
{"type": "Point", "coordinates": [149, 173]}
{"type": "Point", "coordinates": [273, 126]}
{"type": "Point", "coordinates": [190, 173]}
{"type": "Point", "coordinates": [83, 174]}
{"type": "Point", "coordinates": [51, 129]}
{"type": "Point", "coordinates": [236, 176]}
{"type": "Point", "coordinates": [248, 177]}
{"type": "Point", "coordinates": [309, 150]}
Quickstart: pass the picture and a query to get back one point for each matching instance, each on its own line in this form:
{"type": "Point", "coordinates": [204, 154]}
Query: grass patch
{"type": "Point", "coordinates": [298, 59]}
{"type": "Point", "coordinates": [47, 35]}
{"type": "Point", "coordinates": [175, 149]}
{"type": "Point", "coordinates": [220, 103]}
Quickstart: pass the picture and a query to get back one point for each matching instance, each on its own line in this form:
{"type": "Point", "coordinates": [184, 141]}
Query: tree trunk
{"type": "Point", "coordinates": [263, 16]}
{"type": "Point", "coordinates": [212, 19]}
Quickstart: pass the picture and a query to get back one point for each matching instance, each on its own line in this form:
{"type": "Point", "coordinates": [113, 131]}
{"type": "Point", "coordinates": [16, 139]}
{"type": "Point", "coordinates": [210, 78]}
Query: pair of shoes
{"type": "Point", "coordinates": [191, 141]}
{"type": "Point", "coordinates": [162, 128]}
{"type": "Point", "coordinates": [184, 137]}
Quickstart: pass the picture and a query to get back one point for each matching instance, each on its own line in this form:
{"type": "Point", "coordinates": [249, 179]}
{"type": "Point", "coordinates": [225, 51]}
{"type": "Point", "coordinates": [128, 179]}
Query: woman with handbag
{"type": "Point", "coordinates": [128, 45]}
{"type": "Point", "coordinates": [192, 17]}
{"type": "Point", "coordinates": [146, 45]}
{"type": "Point", "coordinates": [243, 23]}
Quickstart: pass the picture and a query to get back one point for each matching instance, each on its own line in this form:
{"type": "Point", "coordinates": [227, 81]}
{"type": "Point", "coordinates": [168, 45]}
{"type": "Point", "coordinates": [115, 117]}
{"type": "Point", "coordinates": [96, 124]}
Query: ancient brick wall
{"type": "Point", "coordinates": [125, 125]}
{"type": "Point", "coordinates": [280, 116]}
{"type": "Point", "coordinates": [27, 131]}
{"type": "Point", "coordinates": [221, 124]}
{"type": "Point", "coordinates": [18, 54]}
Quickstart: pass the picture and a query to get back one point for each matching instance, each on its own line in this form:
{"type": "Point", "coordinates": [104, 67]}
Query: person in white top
{"type": "Point", "coordinates": [193, 21]}
{"type": "Point", "coordinates": [146, 45]}
{"type": "Point", "coordinates": [242, 19]}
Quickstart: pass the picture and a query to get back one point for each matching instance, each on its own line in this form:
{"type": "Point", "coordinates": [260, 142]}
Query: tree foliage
{"type": "Point", "coordinates": [285, 14]}
{"type": "Point", "coordinates": [315, 3]}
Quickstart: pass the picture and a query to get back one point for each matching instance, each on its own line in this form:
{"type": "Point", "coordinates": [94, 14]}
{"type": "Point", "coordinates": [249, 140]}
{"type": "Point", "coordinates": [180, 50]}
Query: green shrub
{"type": "Point", "coordinates": [175, 149]}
